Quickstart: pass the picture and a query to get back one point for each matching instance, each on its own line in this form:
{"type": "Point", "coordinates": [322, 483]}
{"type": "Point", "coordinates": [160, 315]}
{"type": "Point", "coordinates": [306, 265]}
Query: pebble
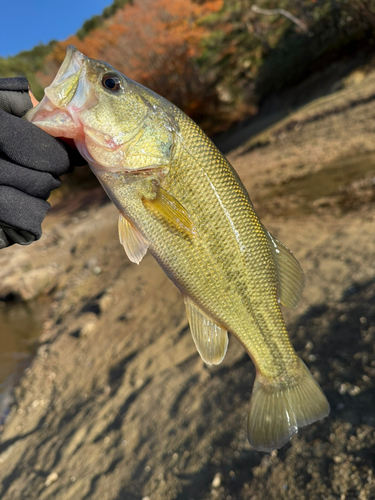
{"type": "Point", "coordinates": [88, 328]}
{"type": "Point", "coordinates": [216, 481]}
{"type": "Point", "coordinates": [105, 302]}
{"type": "Point", "coordinates": [51, 478]}
{"type": "Point", "coordinates": [354, 391]}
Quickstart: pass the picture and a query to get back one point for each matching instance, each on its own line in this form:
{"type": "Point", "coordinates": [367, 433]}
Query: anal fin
{"type": "Point", "coordinates": [290, 275]}
{"type": "Point", "coordinates": [133, 242]}
{"type": "Point", "coordinates": [210, 339]}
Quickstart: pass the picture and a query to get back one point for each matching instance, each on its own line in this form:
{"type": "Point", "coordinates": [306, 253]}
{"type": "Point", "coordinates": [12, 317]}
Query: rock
{"type": "Point", "coordinates": [216, 481]}
{"type": "Point", "coordinates": [30, 284]}
{"type": "Point", "coordinates": [51, 478]}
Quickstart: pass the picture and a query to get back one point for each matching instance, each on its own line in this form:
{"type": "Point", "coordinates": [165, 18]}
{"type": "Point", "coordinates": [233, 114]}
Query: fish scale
{"type": "Point", "coordinates": [179, 198]}
{"type": "Point", "coordinates": [256, 269]}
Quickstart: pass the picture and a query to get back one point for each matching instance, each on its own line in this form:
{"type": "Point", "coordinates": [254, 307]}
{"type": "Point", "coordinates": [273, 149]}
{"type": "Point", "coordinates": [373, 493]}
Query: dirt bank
{"type": "Point", "coordinates": [117, 403]}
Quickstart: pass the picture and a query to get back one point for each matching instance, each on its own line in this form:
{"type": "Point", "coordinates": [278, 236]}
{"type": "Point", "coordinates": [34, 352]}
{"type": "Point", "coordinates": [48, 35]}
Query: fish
{"type": "Point", "coordinates": [180, 199]}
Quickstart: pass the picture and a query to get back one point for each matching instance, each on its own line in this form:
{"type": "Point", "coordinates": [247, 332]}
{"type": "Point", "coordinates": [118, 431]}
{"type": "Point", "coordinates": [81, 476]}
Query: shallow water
{"type": "Point", "coordinates": [20, 326]}
{"type": "Point", "coordinates": [337, 182]}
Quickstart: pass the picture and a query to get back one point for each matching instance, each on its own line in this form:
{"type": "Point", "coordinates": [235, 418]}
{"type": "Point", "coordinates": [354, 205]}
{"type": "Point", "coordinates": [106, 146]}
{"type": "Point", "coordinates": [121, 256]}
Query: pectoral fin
{"type": "Point", "coordinates": [290, 275]}
{"type": "Point", "coordinates": [171, 210]}
{"type": "Point", "coordinates": [210, 339]}
{"type": "Point", "coordinates": [134, 244]}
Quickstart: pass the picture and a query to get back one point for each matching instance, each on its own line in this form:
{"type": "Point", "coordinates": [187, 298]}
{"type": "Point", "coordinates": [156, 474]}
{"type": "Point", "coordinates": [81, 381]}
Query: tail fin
{"type": "Point", "coordinates": [277, 409]}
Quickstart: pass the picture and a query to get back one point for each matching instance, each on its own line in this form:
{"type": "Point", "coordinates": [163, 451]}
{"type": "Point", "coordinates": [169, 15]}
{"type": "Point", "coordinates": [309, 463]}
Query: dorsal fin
{"type": "Point", "coordinates": [290, 275]}
{"type": "Point", "coordinates": [133, 242]}
{"type": "Point", "coordinates": [210, 339]}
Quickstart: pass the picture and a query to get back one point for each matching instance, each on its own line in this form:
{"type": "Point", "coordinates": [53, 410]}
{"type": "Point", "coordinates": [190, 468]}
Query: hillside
{"type": "Point", "coordinates": [215, 59]}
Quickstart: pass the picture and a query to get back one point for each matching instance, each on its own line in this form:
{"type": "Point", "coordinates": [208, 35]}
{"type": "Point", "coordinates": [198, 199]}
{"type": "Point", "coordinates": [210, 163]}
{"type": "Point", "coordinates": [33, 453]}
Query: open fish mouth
{"type": "Point", "coordinates": [69, 80]}
{"type": "Point", "coordinates": [73, 62]}
{"type": "Point", "coordinates": [70, 92]}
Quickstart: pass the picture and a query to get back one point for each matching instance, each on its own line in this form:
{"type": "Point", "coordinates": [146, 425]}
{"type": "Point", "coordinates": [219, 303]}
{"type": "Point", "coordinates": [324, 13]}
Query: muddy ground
{"type": "Point", "coordinates": [117, 404]}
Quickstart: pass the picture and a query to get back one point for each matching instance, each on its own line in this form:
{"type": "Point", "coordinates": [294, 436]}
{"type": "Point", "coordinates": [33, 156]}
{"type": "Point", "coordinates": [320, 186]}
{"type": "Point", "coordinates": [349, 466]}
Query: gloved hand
{"type": "Point", "coordinates": [31, 163]}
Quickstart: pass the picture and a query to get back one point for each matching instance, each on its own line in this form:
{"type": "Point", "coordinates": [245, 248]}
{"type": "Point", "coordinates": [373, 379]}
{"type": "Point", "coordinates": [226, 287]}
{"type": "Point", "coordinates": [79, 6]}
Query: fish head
{"type": "Point", "coordinates": [111, 119]}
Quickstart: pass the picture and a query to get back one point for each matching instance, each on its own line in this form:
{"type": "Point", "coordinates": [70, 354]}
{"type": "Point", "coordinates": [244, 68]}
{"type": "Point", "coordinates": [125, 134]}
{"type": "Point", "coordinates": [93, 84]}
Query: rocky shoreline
{"type": "Point", "coordinates": [117, 403]}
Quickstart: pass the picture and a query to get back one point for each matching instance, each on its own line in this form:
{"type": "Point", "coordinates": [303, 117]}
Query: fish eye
{"type": "Point", "coordinates": [111, 82]}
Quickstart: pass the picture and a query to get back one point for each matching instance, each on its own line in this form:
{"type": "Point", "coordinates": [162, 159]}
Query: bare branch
{"type": "Point", "coordinates": [282, 12]}
{"type": "Point", "coordinates": [259, 36]}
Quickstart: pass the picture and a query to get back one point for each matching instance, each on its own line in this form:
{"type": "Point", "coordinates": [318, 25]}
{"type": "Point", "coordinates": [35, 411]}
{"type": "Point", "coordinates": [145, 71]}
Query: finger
{"type": "Point", "coordinates": [22, 211]}
{"type": "Point", "coordinates": [16, 102]}
{"type": "Point", "coordinates": [32, 182]}
{"type": "Point", "coordinates": [34, 101]}
{"type": "Point", "coordinates": [27, 145]}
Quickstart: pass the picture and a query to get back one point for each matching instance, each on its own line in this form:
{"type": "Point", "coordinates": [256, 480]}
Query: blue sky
{"type": "Point", "coordinates": [26, 23]}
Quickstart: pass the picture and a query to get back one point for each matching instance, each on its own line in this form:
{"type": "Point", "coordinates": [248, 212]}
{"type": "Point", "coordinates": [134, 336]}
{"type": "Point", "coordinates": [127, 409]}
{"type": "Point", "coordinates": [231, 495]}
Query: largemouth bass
{"type": "Point", "coordinates": [179, 198]}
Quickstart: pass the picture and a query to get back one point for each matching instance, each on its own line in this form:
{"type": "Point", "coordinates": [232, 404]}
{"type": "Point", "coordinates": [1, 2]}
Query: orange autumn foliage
{"type": "Point", "coordinates": [154, 42]}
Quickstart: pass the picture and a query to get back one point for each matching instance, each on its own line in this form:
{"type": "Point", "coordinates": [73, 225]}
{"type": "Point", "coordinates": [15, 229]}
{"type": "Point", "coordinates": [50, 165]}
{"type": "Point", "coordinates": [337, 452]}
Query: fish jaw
{"type": "Point", "coordinates": [72, 86]}
{"type": "Point", "coordinates": [53, 120]}
{"type": "Point", "coordinates": [73, 62]}
{"type": "Point", "coordinates": [69, 93]}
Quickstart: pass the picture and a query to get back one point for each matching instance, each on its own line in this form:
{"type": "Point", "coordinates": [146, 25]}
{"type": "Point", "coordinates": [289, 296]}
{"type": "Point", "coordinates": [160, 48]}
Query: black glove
{"type": "Point", "coordinates": [31, 163]}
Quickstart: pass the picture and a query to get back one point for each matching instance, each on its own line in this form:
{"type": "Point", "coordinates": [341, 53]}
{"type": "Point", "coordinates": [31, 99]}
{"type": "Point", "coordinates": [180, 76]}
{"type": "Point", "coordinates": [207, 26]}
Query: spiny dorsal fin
{"type": "Point", "coordinates": [290, 275]}
{"type": "Point", "coordinates": [134, 244]}
{"type": "Point", "coordinates": [210, 339]}
{"type": "Point", "coordinates": [170, 209]}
